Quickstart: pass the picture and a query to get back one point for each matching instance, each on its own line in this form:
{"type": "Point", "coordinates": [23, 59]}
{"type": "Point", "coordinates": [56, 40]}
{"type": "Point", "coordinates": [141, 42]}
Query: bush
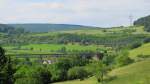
{"type": "Point", "coordinates": [44, 75]}
{"type": "Point", "coordinates": [34, 75]}
{"type": "Point", "coordinates": [108, 59]}
{"type": "Point", "coordinates": [136, 45]}
{"type": "Point", "coordinates": [146, 40]}
{"type": "Point", "coordinates": [77, 73]}
{"type": "Point", "coordinates": [60, 69]}
{"type": "Point", "coordinates": [123, 59]}
{"type": "Point", "coordinates": [58, 74]}
{"type": "Point", "coordinates": [143, 56]}
{"type": "Point", "coordinates": [28, 81]}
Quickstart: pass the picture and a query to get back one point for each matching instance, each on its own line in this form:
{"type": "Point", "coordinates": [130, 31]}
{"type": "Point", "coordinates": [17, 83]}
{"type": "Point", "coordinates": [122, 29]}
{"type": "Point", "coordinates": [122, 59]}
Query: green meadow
{"type": "Point", "coordinates": [48, 48]}
{"type": "Point", "coordinates": [143, 50]}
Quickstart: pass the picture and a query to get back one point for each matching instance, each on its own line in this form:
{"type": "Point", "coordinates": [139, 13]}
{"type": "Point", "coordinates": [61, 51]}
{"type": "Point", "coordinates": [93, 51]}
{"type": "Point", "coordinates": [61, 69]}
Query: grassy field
{"type": "Point", "coordinates": [143, 50]}
{"type": "Point", "coordinates": [134, 30]}
{"type": "Point", "coordinates": [98, 31]}
{"type": "Point", "coordinates": [91, 80]}
{"type": "Point", "coordinates": [43, 34]}
{"type": "Point", "coordinates": [136, 73]}
{"type": "Point", "coordinates": [47, 48]}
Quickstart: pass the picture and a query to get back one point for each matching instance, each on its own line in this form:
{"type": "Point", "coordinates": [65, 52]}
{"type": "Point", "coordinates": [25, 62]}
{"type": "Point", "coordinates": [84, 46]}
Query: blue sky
{"type": "Point", "coordinates": [103, 13]}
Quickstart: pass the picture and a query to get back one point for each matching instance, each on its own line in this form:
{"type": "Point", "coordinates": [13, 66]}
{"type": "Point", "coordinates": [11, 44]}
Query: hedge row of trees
{"type": "Point", "coordinates": [113, 40]}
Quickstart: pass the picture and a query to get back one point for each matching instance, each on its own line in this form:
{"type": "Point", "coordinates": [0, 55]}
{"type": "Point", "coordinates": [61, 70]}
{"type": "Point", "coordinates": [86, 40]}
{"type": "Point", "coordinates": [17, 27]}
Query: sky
{"type": "Point", "coordinates": [102, 13]}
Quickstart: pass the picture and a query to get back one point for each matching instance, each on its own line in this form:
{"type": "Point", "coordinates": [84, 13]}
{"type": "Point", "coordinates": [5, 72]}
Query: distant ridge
{"type": "Point", "coordinates": [45, 27]}
{"type": "Point", "coordinates": [6, 28]}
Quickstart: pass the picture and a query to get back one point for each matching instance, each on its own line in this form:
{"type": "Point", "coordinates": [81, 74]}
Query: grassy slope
{"type": "Point", "coordinates": [136, 73]}
{"type": "Point", "coordinates": [48, 48]}
{"type": "Point", "coordinates": [135, 30]}
{"type": "Point", "coordinates": [143, 50]}
{"type": "Point", "coordinates": [99, 31]}
{"type": "Point", "coordinates": [91, 80]}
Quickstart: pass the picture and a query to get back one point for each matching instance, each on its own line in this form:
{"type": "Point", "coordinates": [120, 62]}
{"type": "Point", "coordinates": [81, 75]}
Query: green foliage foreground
{"type": "Point", "coordinates": [136, 73]}
{"type": "Point", "coordinates": [6, 69]}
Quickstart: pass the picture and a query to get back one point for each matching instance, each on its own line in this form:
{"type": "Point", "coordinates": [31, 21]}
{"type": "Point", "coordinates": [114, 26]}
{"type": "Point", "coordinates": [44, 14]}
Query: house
{"type": "Point", "coordinates": [47, 62]}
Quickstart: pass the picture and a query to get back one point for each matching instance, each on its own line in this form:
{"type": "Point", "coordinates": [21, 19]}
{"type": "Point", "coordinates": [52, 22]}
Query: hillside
{"type": "Point", "coordinates": [144, 21]}
{"type": "Point", "coordinates": [143, 50]}
{"type": "Point", "coordinates": [98, 31]}
{"type": "Point", "coordinates": [91, 80]}
{"type": "Point", "coordinates": [136, 73]}
{"type": "Point", "coordinates": [46, 48]}
{"type": "Point", "coordinates": [39, 27]}
{"type": "Point", "coordinates": [121, 30]}
{"type": "Point", "coordinates": [79, 29]}
{"type": "Point", "coordinates": [6, 29]}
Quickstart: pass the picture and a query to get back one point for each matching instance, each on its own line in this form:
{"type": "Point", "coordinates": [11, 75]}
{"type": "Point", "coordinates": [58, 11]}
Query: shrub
{"type": "Point", "coordinates": [34, 75]}
{"type": "Point", "coordinates": [143, 56]}
{"type": "Point", "coordinates": [100, 70]}
{"type": "Point", "coordinates": [28, 81]}
{"type": "Point", "coordinates": [77, 73]}
{"type": "Point", "coordinates": [146, 40]}
{"type": "Point", "coordinates": [123, 59]}
{"type": "Point", "coordinates": [136, 45]}
{"type": "Point", "coordinates": [44, 75]}
{"type": "Point", "coordinates": [60, 69]}
{"type": "Point", "coordinates": [57, 74]}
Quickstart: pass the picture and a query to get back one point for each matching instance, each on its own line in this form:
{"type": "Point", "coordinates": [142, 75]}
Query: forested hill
{"type": "Point", "coordinates": [7, 29]}
{"type": "Point", "coordinates": [4, 28]}
{"type": "Point", "coordinates": [38, 27]}
{"type": "Point", "coordinates": [144, 21]}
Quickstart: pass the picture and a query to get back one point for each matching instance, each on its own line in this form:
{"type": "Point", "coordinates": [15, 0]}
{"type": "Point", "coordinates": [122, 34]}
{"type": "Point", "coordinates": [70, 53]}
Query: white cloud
{"type": "Point", "coordinates": [87, 12]}
{"type": "Point", "coordinates": [53, 5]}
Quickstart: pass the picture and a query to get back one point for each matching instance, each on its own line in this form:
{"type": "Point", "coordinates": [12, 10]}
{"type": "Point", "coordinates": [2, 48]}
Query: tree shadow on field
{"type": "Point", "coordinates": [110, 78]}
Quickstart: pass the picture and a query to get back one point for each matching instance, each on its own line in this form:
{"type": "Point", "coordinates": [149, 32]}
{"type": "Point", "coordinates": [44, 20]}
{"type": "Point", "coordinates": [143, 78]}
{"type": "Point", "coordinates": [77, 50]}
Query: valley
{"type": "Point", "coordinates": [74, 54]}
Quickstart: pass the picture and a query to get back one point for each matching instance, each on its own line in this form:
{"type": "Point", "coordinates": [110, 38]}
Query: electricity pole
{"type": "Point", "coordinates": [131, 20]}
